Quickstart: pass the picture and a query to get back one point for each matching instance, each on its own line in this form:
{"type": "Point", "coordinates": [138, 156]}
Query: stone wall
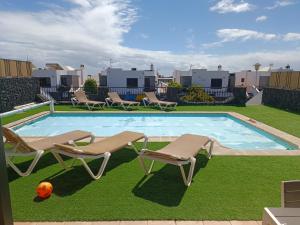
{"type": "Point", "coordinates": [282, 98]}
{"type": "Point", "coordinates": [17, 91]}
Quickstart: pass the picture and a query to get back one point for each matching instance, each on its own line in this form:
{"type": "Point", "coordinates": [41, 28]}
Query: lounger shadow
{"type": "Point", "coordinates": [69, 182]}
{"type": "Point", "coordinates": [164, 186]}
{"type": "Point", "coordinates": [47, 160]}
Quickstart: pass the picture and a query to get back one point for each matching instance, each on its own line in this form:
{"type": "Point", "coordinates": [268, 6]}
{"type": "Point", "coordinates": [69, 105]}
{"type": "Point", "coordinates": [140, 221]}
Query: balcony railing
{"type": "Point", "coordinates": [64, 94]}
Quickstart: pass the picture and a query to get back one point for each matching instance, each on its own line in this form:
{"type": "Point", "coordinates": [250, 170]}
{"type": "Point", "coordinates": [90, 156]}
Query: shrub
{"type": "Point", "coordinates": [174, 84]}
{"type": "Point", "coordinates": [90, 86]}
{"type": "Point", "coordinates": [197, 94]}
{"type": "Point", "coordinates": [140, 97]}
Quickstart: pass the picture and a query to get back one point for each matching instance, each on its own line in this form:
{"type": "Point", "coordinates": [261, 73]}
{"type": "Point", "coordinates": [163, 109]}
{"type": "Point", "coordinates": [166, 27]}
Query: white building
{"type": "Point", "coordinates": [56, 75]}
{"type": "Point", "coordinates": [205, 78]}
{"type": "Point", "coordinates": [250, 78]}
{"type": "Point", "coordinates": [129, 79]}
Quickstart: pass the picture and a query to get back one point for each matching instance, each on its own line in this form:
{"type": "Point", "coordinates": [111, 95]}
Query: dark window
{"type": "Point", "coordinates": [132, 82]}
{"type": "Point", "coordinates": [147, 82]}
{"type": "Point", "coordinates": [45, 82]}
{"type": "Point", "coordinates": [216, 83]}
{"type": "Point", "coordinates": [242, 80]}
{"type": "Point", "coordinates": [64, 81]}
{"type": "Point", "coordinates": [103, 81]}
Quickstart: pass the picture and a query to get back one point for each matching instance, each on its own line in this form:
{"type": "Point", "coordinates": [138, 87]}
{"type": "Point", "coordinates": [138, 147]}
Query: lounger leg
{"type": "Point", "coordinates": [145, 142]}
{"type": "Point", "coordinates": [30, 168]}
{"type": "Point", "coordinates": [92, 139]}
{"type": "Point", "coordinates": [102, 167]}
{"type": "Point", "coordinates": [60, 160]}
{"type": "Point", "coordinates": [107, 102]}
{"type": "Point", "coordinates": [88, 106]}
{"type": "Point", "coordinates": [187, 181]}
{"type": "Point", "coordinates": [210, 149]}
{"type": "Point", "coordinates": [144, 102]}
{"type": "Point", "coordinates": [142, 162]}
{"type": "Point", "coordinates": [130, 144]}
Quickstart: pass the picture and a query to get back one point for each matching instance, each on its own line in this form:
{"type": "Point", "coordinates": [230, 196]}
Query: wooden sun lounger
{"type": "Point", "coordinates": [289, 213]}
{"type": "Point", "coordinates": [151, 99]}
{"type": "Point", "coordinates": [37, 148]}
{"type": "Point", "coordinates": [114, 99]}
{"type": "Point", "coordinates": [290, 194]}
{"type": "Point", "coordinates": [281, 216]}
{"type": "Point", "coordinates": [180, 152]}
{"type": "Point", "coordinates": [100, 149]}
{"type": "Point", "coordinates": [81, 98]}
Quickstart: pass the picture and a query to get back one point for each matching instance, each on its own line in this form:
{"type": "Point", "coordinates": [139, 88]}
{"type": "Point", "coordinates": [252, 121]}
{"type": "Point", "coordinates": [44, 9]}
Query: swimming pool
{"type": "Point", "coordinates": [226, 129]}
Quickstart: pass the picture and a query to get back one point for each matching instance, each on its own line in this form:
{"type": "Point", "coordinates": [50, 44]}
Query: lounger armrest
{"type": "Point", "coordinates": [160, 155]}
{"type": "Point", "coordinates": [108, 100]}
{"type": "Point", "coordinates": [68, 148]}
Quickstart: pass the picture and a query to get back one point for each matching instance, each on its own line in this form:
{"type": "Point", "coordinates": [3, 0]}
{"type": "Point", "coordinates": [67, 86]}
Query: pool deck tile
{"type": "Point", "coordinates": [145, 222]}
{"type": "Point", "coordinates": [189, 222]}
{"type": "Point", "coordinates": [244, 223]}
{"type": "Point", "coordinates": [105, 223]}
{"type": "Point", "coordinates": [216, 223]}
{"type": "Point", "coordinates": [161, 222]}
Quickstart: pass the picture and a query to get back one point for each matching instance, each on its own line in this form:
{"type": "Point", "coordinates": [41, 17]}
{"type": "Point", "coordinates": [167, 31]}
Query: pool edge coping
{"type": "Point", "coordinates": [293, 140]}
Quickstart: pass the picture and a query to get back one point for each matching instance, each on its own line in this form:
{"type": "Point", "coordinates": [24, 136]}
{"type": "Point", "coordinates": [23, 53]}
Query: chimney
{"type": "Point", "coordinates": [81, 74]}
{"type": "Point", "coordinates": [257, 66]}
{"type": "Point", "coordinates": [151, 67]}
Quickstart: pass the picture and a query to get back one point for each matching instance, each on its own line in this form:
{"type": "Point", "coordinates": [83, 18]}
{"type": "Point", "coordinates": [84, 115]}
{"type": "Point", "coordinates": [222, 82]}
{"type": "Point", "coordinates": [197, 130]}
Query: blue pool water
{"type": "Point", "coordinates": [228, 130]}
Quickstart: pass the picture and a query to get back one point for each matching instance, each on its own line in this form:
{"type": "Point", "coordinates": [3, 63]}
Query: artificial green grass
{"type": "Point", "coordinates": [280, 119]}
{"type": "Point", "coordinates": [223, 188]}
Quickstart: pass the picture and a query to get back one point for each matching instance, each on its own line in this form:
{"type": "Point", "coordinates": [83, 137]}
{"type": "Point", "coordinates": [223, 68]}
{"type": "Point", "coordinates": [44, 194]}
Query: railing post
{"type": "Point", "coordinates": [5, 204]}
{"type": "Point", "coordinates": [52, 110]}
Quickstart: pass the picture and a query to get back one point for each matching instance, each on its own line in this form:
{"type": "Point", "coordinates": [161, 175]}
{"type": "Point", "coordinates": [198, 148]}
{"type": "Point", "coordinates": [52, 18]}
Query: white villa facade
{"type": "Point", "coordinates": [117, 78]}
{"type": "Point", "coordinates": [252, 78]}
{"type": "Point", "coordinates": [53, 74]}
{"type": "Point", "coordinates": [205, 78]}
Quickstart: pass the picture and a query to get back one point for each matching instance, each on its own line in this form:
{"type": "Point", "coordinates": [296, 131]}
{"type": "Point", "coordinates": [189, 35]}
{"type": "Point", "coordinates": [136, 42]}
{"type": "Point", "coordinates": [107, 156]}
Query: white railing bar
{"type": "Point", "coordinates": [50, 103]}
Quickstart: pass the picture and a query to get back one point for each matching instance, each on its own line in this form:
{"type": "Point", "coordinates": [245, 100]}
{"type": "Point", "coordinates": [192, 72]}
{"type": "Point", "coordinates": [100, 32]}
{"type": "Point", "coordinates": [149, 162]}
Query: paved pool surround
{"type": "Point", "coordinates": [218, 149]}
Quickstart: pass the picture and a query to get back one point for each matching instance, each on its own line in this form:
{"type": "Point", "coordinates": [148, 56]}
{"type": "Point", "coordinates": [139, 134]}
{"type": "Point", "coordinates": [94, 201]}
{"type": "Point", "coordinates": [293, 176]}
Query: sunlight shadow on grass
{"type": "Point", "coordinates": [166, 186]}
{"type": "Point", "coordinates": [76, 178]}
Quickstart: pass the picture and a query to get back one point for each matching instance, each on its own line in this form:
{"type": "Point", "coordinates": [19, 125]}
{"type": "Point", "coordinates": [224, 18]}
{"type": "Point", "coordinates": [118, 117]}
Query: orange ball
{"type": "Point", "coordinates": [44, 190]}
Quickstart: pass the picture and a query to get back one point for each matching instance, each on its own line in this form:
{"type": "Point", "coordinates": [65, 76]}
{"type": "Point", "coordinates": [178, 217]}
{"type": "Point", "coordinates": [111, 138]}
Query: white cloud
{"type": "Point", "coordinates": [228, 35]}
{"type": "Point", "coordinates": [292, 37]}
{"type": "Point", "coordinates": [144, 36]}
{"type": "Point", "coordinates": [281, 3]}
{"type": "Point", "coordinates": [190, 40]}
{"type": "Point", "coordinates": [228, 6]}
{"type": "Point", "coordinates": [83, 3]}
{"type": "Point", "coordinates": [91, 35]}
{"type": "Point", "coordinates": [261, 18]}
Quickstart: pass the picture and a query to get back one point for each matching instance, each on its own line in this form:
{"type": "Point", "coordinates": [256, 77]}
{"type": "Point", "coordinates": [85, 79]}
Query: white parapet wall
{"type": "Point", "coordinates": [256, 100]}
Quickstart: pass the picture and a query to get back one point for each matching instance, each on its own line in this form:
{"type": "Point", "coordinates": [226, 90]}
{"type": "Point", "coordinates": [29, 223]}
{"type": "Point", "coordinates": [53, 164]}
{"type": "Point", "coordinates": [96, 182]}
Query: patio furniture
{"type": "Point", "coordinates": [114, 99]}
{"type": "Point", "coordinates": [290, 194]}
{"type": "Point", "coordinates": [36, 148]}
{"type": "Point", "coordinates": [151, 99]}
{"type": "Point", "coordinates": [81, 98]}
{"type": "Point", "coordinates": [289, 213]}
{"type": "Point", "coordinates": [180, 152]}
{"type": "Point", "coordinates": [281, 216]}
{"type": "Point", "coordinates": [100, 149]}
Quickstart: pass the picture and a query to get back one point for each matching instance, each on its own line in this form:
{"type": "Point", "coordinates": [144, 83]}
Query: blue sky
{"type": "Point", "coordinates": [172, 34]}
